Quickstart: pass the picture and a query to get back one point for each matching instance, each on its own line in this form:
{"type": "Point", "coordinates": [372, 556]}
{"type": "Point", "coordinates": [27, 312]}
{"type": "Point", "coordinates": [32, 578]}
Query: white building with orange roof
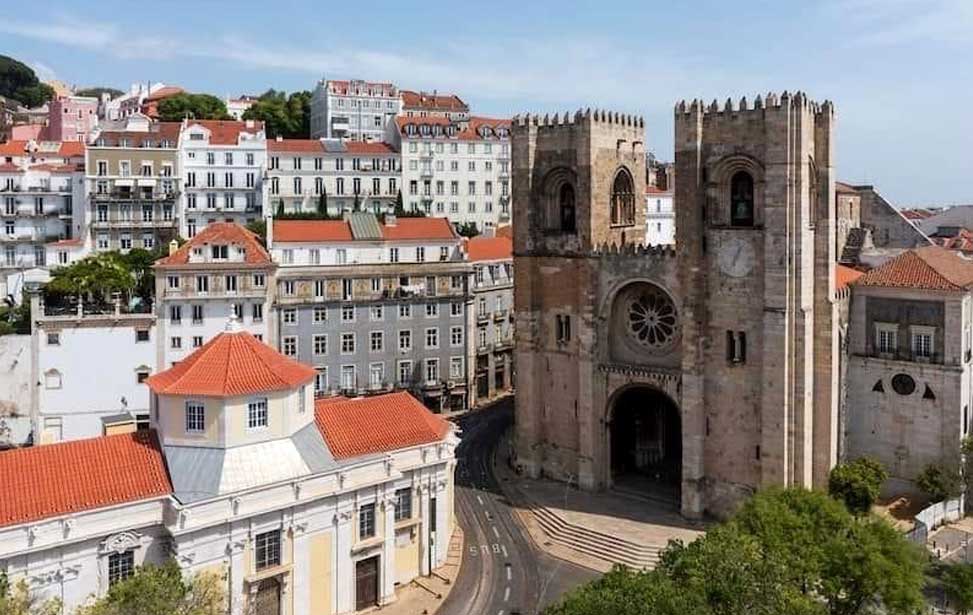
{"type": "Point", "coordinates": [456, 169]}
{"type": "Point", "coordinates": [492, 331]}
{"type": "Point", "coordinates": [425, 104]}
{"type": "Point", "coordinates": [910, 361]}
{"type": "Point", "coordinates": [307, 175]}
{"type": "Point", "coordinates": [660, 217]}
{"type": "Point", "coordinates": [296, 505]}
{"type": "Point", "coordinates": [222, 272]}
{"type": "Point", "coordinates": [353, 109]}
{"type": "Point", "coordinates": [41, 201]}
{"type": "Point", "coordinates": [222, 164]}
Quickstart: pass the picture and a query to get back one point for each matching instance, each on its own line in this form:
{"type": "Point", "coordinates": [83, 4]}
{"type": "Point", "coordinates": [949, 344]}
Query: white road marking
{"type": "Point", "coordinates": [500, 612]}
{"type": "Point", "coordinates": [506, 593]}
{"type": "Point", "coordinates": [508, 573]}
{"type": "Point", "coordinates": [480, 500]}
{"type": "Point", "coordinates": [495, 532]}
{"type": "Point", "coordinates": [504, 547]}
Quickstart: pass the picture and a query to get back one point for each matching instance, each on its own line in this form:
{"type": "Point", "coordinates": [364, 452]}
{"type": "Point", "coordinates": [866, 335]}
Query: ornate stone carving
{"type": "Point", "coordinates": [121, 542]}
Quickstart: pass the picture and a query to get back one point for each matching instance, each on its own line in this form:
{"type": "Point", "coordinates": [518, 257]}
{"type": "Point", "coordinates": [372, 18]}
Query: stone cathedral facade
{"type": "Point", "coordinates": [700, 371]}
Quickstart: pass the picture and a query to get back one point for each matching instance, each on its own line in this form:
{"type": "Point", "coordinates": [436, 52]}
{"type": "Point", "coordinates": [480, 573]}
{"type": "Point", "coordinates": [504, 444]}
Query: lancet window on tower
{"type": "Point", "coordinates": [566, 208]}
{"type": "Point", "coordinates": [623, 199]}
{"type": "Point", "coordinates": [741, 199]}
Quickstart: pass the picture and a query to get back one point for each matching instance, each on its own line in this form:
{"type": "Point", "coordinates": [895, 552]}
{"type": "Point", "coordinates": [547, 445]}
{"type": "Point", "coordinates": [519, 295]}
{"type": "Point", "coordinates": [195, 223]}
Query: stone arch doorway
{"type": "Point", "coordinates": [645, 443]}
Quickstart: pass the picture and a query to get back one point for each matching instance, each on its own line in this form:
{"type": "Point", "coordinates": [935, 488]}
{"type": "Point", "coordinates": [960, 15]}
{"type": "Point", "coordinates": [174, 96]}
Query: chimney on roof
{"type": "Point", "coordinates": [390, 220]}
{"type": "Point", "coordinates": [250, 124]}
{"type": "Point", "coordinates": [280, 138]}
{"type": "Point", "coordinates": [173, 246]}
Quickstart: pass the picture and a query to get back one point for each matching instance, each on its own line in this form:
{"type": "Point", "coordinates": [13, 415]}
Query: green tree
{"type": "Point", "coordinates": [161, 590]}
{"type": "Point", "coordinates": [787, 551]}
{"type": "Point", "coordinates": [17, 599]}
{"type": "Point", "coordinates": [468, 229]}
{"type": "Point", "coordinates": [940, 482]}
{"type": "Point", "coordinates": [323, 203]}
{"type": "Point", "coordinates": [280, 208]}
{"type": "Point", "coordinates": [197, 106]}
{"type": "Point", "coordinates": [399, 209]}
{"type": "Point", "coordinates": [857, 483]}
{"type": "Point", "coordinates": [283, 115]}
{"type": "Point", "coordinates": [96, 92]}
{"type": "Point", "coordinates": [19, 82]}
{"type": "Point", "coordinates": [259, 228]}
{"type": "Point", "coordinates": [356, 206]}
{"type": "Point", "coordinates": [957, 580]}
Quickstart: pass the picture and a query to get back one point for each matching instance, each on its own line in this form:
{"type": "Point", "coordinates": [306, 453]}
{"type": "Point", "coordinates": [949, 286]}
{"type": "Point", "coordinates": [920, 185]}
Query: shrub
{"type": "Point", "coordinates": [857, 483]}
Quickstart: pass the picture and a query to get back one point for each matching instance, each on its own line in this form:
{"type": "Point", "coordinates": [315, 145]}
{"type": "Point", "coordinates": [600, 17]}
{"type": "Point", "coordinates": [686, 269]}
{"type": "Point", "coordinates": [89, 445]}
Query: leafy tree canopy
{"type": "Point", "coordinates": [19, 82]}
{"type": "Point", "coordinates": [96, 92]}
{"type": "Point", "coordinates": [857, 483]}
{"type": "Point", "coordinates": [284, 115]}
{"type": "Point", "coordinates": [259, 228]}
{"type": "Point", "coordinates": [787, 551]}
{"type": "Point", "coordinates": [17, 599]}
{"type": "Point", "coordinates": [198, 106]}
{"type": "Point", "coordinates": [957, 581]}
{"type": "Point", "coordinates": [940, 482]}
{"type": "Point", "coordinates": [161, 590]}
{"type": "Point", "coordinates": [99, 276]}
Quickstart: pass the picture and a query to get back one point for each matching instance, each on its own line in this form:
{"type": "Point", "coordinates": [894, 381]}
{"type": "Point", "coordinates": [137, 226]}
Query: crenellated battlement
{"type": "Point", "coordinates": [586, 116]}
{"type": "Point", "coordinates": [613, 250]}
{"type": "Point", "coordinates": [772, 101]}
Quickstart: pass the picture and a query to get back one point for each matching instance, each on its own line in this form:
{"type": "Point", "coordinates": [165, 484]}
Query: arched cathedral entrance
{"type": "Point", "coordinates": [646, 443]}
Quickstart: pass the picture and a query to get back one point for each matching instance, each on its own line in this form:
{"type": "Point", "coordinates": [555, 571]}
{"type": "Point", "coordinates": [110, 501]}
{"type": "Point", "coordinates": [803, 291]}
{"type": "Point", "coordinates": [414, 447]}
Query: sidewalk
{"type": "Point", "coordinates": [424, 595]}
{"type": "Point", "coordinates": [591, 530]}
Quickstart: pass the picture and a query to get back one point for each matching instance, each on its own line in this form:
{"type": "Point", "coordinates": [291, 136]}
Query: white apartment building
{"type": "Point", "coordinates": [221, 273]}
{"type": "Point", "coordinates": [236, 107]}
{"type": "Point", "coordinates": [458, 170]}
{"type": "Point", "coordinates": [355, 110]}
{"type": "Point", "coordinates": [660, 217]}
{"type": "Point", "coordinates": [89, 364]}
{"type": "Point", "coordinates": [41, 201]}
{"type": "Point", "coordinates": [222, 165]}
{"type": "Point", "coordinates": [304, 175]}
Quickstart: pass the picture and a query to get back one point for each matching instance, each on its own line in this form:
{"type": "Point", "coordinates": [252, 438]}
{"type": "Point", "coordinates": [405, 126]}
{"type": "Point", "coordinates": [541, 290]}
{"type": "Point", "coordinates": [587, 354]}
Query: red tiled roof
{"type": "Point", "coordinates": [419, 228]}
{"type": "Point", "coordinates": [56, 479]}
{"type": "Point", "coordinates": [311, 230]}
{"type": "Point", "coordinates": [655, 190]}
{"type": "Point", "coordinates": [228, 233]}
{"type": "Point", "coordinates": [916, 214]}
{"type": "Point", "coordinates": [368, 425]}
{"type": "Point", "coordinates": [845, 276]}
{"type": "Point", "coordinates": [430, 120]}
{"type": "Point", "coordinates": [10, 168]}
{"type": "Point", "coordinates": [227, 132]}
{"type": "Point", "coordinates": [13, 148]}
{"type": "Point", "coordinates": [71, 149]}
{"type": "Point", "coordinates": [490, 248]}
{"type": "Point", "coordinates": [926, 268]}
{"type": "Point", "coordinates": [164, 92]}
{"type": "Point", "coordinates": [66, 242]}
{"type": "Point", "coordinates": [294, 145]}
{"type": "Point", "coordinates": [424, 100]}
{"type": "Point", "coordinates": [368, 147]}
{"type": "Point", "coordinates": [67, 149]}
{"type": "Point", "coordinates": [58, 168]}
{"type": "Point", "coordinates": [962, 242]}
{"type": "Point", "coordinates": [158, 131]}
{"type": "Point", "coordinates": [341, 86]}
{"type": "Point", "coordinates": [229, 365]}
{"type": "Point", "coordinates": [507, 230]}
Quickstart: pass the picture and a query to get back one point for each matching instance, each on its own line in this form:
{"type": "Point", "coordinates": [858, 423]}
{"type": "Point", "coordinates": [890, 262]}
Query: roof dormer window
{"type": "Point", "coordinates": [219, 252]}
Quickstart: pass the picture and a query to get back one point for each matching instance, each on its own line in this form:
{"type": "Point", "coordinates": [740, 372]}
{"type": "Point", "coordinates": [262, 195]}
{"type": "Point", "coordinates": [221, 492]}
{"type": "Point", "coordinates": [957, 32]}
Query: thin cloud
{"type": "Point", "coordinates": [899, 22]}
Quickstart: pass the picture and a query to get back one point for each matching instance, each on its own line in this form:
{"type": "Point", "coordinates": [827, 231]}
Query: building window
{"type": "Point", "coordinates": [141, 335]}
{"type": "Point", "coordinates": [623, 199]}
{"type": "Point", "coordinates": [120, 566]}
{"type": "Point", "coordinates": [455, 309]}
{"type": "Point", "coordinates": [405, 311]}
{"type": "Point", "coordinates": [289, 346]}
{"type": "Point", "coordinates": [195, 416]}
{"type": "Point", "coordinates": [741, 199]}
{"type": "Point", "coordinates": [736, 346]}
{"type": "Point", "coordinates": [922, 342]}
{"type": "Point", "coordinates": [321, 380]}
{"type": "Point", "coordinates": [563, 328]}
{"type": "Point", "coordinates": [405, 372]}
{"type": "Point", "coordinates": [886, 338]}
{"type": "Point", "coordinates": [456, 336]}
{"type": "Point", "coordinates": [366, 521]}
{"type": "Point", "coordinates": [376, 312]}
{"type": "Point", "coordinates": [53, 338]}
{"type": "Point", "coordinates": [347, 313]}
{"type": "Point", "coordinates": [257, 417]}
{"type": "Point", "coordinates": [376, 341]}
{"type": "Point", "coordinates": [347, 343]}
{"type": "Point", "coordinates": [432, 338]}
{"type": "Point", "coordinates": [420, 254]}
{"type": "Point", "coordinates": [456, 368]}
{"type": "Point", "coordinates": [405, 340]}
{"type": "Point", "coordinates": [320, 344]}
{"type": "Point", "coordinates": [290, 316]}
{"type": "Point", "coordinates": [566, 207]}
{"type": "Point", "coordinates": [175, 343]}
{"type": "Point", "coordinates": [267, 548]}
{"type": "Point", "coordinates": [403, 504]}
{"type": "Point", "coordinates": [320, 314]}
{"type": "Point", "coordinates": [376, 374]}
{"type": "Point", "coordinates": [258, 312]}
{"type": "Point", "coordinates": [432, 370]}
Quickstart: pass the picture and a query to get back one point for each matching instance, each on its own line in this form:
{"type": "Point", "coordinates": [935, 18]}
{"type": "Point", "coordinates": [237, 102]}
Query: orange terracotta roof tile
{"type": "Point", "coordinates": [295, 145]}
{"type": "Point", "coordinates": [66, 243]}
{"type": "Point", "coordinates": [311, 230]}
{"type": "Point", "coordinates": [229, 365]}
{"type": "Point", "coordinates": [368, 425]}
{"type": "Point", "coordinates": [66, 149]}
{"type": "Point", "coordinates": [490, 248]}
{"type": "Point", "coordinates": [70, 149]}
{"type": "Point", "coordinates": [845, 276]}
{"type": "Point", "coordinates": [419, 228]}
{"type": "Point", "coordinates": [227, 132]}
{"type": "Point", "coordinates": [224, 233]}
{"type": "Point", "coordinates": [507, 230]}
{"type": "Point", "coordinates": [368, 147]}
{"type": "Point", "coordinates": [424, 100]}
{"type": "Point", "coordinates": [158, 132]}
{"type": "Point", "coordinates": [13, 148]}
{"type": "Point", "coordinates": [56, 479]}
{"type": "Point", "coordinates": [926, 268]}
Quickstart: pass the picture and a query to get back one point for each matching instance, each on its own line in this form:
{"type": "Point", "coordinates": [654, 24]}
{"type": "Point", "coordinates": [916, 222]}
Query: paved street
{"type": "Point", "coordinates": [502, 573]}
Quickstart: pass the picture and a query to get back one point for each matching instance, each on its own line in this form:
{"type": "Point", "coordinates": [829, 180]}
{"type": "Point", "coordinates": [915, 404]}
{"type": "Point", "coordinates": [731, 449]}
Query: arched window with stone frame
{"type": "Point", "coordinates": [623, 199]}
{"type": "Point", "coordinates": [560, 201]}
{"type": "Point", "coordinates": [742, 201]}
{"type": "Point", "coordinates": [566, 209]}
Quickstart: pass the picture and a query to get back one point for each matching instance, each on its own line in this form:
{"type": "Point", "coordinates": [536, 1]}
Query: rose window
{"type": "Point", "coordinates": [652, 318]}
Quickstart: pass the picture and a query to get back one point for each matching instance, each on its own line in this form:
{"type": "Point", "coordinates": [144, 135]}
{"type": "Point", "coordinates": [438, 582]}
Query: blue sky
{"type": "Point", "coordinates": [899, 71]}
